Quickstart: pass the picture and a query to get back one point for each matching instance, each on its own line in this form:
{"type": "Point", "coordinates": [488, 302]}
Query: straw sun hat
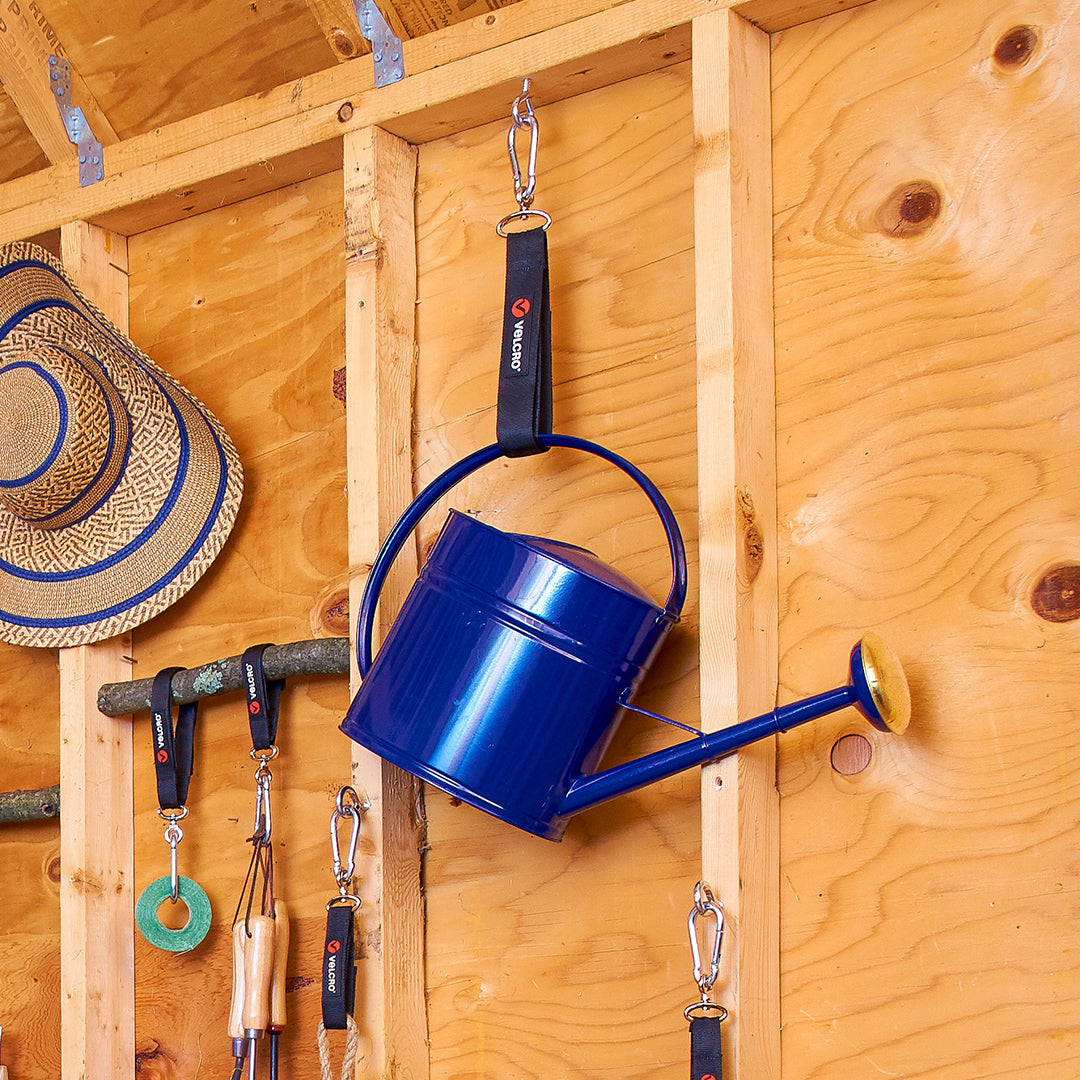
{"type": "Point", "coordinates": [117, 487]}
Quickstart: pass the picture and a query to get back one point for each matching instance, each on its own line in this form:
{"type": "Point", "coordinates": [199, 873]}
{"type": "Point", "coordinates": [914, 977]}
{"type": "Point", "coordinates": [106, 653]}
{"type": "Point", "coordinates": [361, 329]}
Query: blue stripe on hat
{"type": "Point", "coordinates": [61, 433]}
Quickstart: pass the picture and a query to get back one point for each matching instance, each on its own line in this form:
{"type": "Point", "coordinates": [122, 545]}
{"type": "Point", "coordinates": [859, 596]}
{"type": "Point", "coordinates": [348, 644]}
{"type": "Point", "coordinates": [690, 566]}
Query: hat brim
{"type": "Point", "coordinates": [150, 535]}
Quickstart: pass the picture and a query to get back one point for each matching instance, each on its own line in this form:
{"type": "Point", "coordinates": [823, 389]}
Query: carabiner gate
{"type": "Point", "coordinates": [705, 905]}
{"type": "Point", "coordinates": [350, 805]}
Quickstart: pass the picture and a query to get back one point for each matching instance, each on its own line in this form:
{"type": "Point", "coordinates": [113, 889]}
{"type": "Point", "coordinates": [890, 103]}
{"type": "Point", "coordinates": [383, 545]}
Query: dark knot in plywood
{"type": "Point", "coordinates": [909, 209]}
{"type": "Point", "coordinates": [1056, 595]}
{"type": "Point", "coordinates": [1016, 47]}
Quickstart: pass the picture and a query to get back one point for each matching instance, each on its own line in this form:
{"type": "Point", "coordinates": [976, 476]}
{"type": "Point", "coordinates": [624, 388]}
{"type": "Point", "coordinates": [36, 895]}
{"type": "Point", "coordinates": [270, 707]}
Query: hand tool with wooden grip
{"type": "Point", "coordinates": [277, 981]}
{"type": "Point", "coordinates": [258, 970]}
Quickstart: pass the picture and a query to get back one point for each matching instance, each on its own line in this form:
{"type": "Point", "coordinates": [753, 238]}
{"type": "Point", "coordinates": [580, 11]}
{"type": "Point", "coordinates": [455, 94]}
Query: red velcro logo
{"type": "Point", "coordinates": [163, 756]}
{"type": "Point", "coordinates": [520, 308]}
{"type": "Point", "coordinates": [254, 708]}
{"type": "Point", "coordinates": [333, 946]}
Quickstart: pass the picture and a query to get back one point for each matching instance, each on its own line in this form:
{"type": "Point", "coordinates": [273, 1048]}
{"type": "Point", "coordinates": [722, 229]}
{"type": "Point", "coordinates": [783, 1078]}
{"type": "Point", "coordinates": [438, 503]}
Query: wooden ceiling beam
{"type": "Point", "coordinates": [26, 42]}
{"type": "Point", "coordinates": [338, 22]}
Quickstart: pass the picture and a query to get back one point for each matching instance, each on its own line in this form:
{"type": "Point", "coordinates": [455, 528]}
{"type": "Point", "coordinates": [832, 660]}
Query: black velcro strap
{"type": "Point", "coordinates": [174, 749]}
{"type": "Point", "coordinates": [705, 1058]}
{"type": "Point", "coordinates": [524, 409]}
{"type": "Point", "coordinates": [263, 698]}
{"type": "Point", "coordinates": [339, 968]}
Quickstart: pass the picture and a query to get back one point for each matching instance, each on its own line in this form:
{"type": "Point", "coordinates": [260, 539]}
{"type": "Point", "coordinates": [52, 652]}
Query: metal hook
{"type": "Point", "coordinates": [264, 823]}
{"type": "Point", "coordinates": [523, 192]}
{"type": "Point", "coordinates": [348, 804]}
{"type": "Point", "coordinates": [705, 905]}
{"type": "Point", "coordinates": [173, 835]}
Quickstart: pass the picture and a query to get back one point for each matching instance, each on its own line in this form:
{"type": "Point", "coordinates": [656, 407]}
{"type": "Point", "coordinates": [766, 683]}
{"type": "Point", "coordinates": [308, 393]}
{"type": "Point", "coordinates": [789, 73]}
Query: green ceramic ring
{"type": "Point", "coordinates": [163, 937]}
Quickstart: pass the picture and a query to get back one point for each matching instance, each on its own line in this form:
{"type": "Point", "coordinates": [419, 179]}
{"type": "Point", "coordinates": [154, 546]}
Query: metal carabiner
{"type": "Point", "coordinates": [264, 822]}
{"type": "Point", "coordinates": [523, 192]}
{"type": "Point", "coordinates": [705, 905]}
{"type": "Point", "coordinates": [348, 804]}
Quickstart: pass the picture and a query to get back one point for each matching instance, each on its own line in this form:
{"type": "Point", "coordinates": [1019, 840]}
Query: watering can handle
{"type": "Point", "coordinates": [454, 475]}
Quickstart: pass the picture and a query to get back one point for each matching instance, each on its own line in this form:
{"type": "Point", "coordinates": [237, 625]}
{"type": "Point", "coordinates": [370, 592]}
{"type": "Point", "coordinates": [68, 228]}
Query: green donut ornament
{"type": "Point", "coordinates": [163, 937]}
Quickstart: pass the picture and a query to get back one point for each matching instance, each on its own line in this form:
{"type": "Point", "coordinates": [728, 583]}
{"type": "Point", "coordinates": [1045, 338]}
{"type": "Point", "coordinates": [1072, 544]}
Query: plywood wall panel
{"type": "Point", "coordinates": [570, 959]}
{"type": "Point", "coordinates": [245, 307]}
{"type": "Point", "coordinates": [926, 299]}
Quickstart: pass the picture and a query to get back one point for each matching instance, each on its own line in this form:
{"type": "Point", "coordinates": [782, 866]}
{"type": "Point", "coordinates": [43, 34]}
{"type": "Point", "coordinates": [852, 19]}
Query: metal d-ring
{"type": "Point", "coordinates": [521, 215]}
{"type": "Point", "coordinates": [703, 1008]}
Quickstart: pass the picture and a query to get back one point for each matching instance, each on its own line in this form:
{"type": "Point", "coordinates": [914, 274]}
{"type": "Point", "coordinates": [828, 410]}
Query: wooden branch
{"type": "Point", "coordinates": [320, 656]}
{"type": "Point", "coordinates": [37, 804]}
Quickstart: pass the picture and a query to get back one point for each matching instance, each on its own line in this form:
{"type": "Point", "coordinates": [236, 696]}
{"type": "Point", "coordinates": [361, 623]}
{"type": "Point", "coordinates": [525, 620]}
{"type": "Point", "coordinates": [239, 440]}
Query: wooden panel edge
{"type": "Point", "coordinates": [380, 299]}
{"type": "Point", "coordinates": [737, 512]}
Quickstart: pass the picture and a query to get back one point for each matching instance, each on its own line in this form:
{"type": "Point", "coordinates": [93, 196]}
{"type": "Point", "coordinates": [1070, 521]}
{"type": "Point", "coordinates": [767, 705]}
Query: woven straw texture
{"type": "Point", "coordinates": [118, 488]}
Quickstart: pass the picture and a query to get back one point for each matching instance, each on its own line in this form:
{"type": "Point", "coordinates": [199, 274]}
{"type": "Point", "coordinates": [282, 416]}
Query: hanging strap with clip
{"type": "Point", "coordinates": [339, 964]}
{"type": "Point", "coordinates": [524, 403]}
{"type": "Point", "coordinates": [263, 698]}
{"type": "Point", "coordinates": [174, 747]}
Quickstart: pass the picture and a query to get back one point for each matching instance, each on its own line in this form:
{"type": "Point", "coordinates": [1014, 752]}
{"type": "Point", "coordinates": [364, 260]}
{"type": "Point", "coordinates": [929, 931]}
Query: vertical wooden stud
{"type": "Point", "coordinates": [380, 319]}
{"type": "Point", "coordinates": [97, 917]}
{"type": "Point", "coordinates": [737, 509]}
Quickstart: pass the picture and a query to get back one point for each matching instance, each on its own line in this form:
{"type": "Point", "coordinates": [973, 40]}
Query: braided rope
{"type": "Point", "coordinates": [352, 1049]}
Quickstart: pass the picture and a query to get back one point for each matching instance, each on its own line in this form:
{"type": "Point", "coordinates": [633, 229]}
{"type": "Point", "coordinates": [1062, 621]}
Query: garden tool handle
{"type": "Point", "coordinates": [281, 956]}
{"type": "Point", "coordinates": [258, 969]}
{"type": "Point", "coordinates": [455, 474]}
{"type": "Point", "coordinates": [236, 1007]}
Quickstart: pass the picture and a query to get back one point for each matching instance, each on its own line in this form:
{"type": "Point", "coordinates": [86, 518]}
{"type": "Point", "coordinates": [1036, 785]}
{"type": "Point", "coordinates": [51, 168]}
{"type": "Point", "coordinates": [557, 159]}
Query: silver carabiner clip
{"type": "Point", "coordinates": [264, 823]}
{"type": "Point", "coordinates": [523, 191]}
{"type": "Point", "coordinates": [705, 906]}
{"type": "Point", "coordinates": [350, 805]}
{"type": "Point", "coordinates": [522, 117]}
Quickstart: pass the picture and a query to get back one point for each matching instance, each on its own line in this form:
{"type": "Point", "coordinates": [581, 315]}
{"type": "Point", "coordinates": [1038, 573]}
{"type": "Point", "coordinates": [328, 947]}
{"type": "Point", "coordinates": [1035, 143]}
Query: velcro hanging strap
{"type": "Point", "coordinates": [263, 698]}
{"type": "Point", "coordinates": [174, 749]}
{"type": "Point", "coordinates": [339, 968]}
{"type": "Point", "coordinates": [524, 408]}
{"type": "Point", "coordinates": [706, 1061]}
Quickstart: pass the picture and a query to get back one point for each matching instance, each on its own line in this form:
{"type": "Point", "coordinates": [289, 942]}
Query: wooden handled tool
{"type": "Point", "coordinates": [281, 956]}
{"type": "Point", "coordinates": [277, 981]}
{"type": "Point", "coordinates": [236, 1007]}
{"type": "Point", "coordinates": [258, 969]}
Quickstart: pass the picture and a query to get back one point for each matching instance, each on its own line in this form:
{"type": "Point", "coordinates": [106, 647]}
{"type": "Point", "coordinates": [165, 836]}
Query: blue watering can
{"type": "Point", "coordinates": [502, 679]}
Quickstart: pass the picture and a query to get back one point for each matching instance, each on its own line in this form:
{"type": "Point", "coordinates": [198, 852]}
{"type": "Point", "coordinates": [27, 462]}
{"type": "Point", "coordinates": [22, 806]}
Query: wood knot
{"type": "Point", "coordinates": [334, 614]}
{"type": "Point", "coordinates": [1056, 595]}
{"type": "Point", "coordinates": [1016, 47]}
{"type": "Point", "coordinates": [339, 384]}
{"type": "Point", "coordinates": [753, 540]}
{"type": "Point", "coordinates": [909, 209]}
{"type": "Point", "coordinates": [342, 43]}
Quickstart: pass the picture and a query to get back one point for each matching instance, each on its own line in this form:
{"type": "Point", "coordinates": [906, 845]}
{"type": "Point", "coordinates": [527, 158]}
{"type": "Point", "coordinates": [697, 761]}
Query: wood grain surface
{"type": "Point", "coordinates": [570, 959]}
{"type": "Point", "coordinates": [926, 330]}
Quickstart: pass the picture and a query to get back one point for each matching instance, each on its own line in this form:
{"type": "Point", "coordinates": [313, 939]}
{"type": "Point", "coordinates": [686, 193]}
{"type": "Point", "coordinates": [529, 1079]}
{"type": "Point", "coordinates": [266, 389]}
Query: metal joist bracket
{"type": "Point", "coordinates": [385, 47]}
{"type": "Point", "coordinates": [91, 161]}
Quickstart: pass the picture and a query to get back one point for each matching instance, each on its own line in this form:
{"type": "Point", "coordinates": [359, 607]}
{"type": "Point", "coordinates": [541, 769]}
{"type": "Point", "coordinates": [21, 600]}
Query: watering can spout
{"type": "Point", "coordinates": [877, 688]}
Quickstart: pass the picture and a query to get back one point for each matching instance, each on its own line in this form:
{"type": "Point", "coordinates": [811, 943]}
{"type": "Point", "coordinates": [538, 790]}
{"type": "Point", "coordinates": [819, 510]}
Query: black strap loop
{"type": "Point", "coordinates": [339, 968]}
{"type": "Point", "coordinates": [524, 408]}
{"type": "Point", "coordinates": [174, 748]}
{"type": "Point", "coordinates": [263, 698]}
{"type": "Point", "coordinates": [706, 1061]}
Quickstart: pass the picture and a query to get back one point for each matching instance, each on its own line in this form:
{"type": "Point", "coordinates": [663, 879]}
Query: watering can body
{"type": "Point", "coordinates": [501, 677]}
